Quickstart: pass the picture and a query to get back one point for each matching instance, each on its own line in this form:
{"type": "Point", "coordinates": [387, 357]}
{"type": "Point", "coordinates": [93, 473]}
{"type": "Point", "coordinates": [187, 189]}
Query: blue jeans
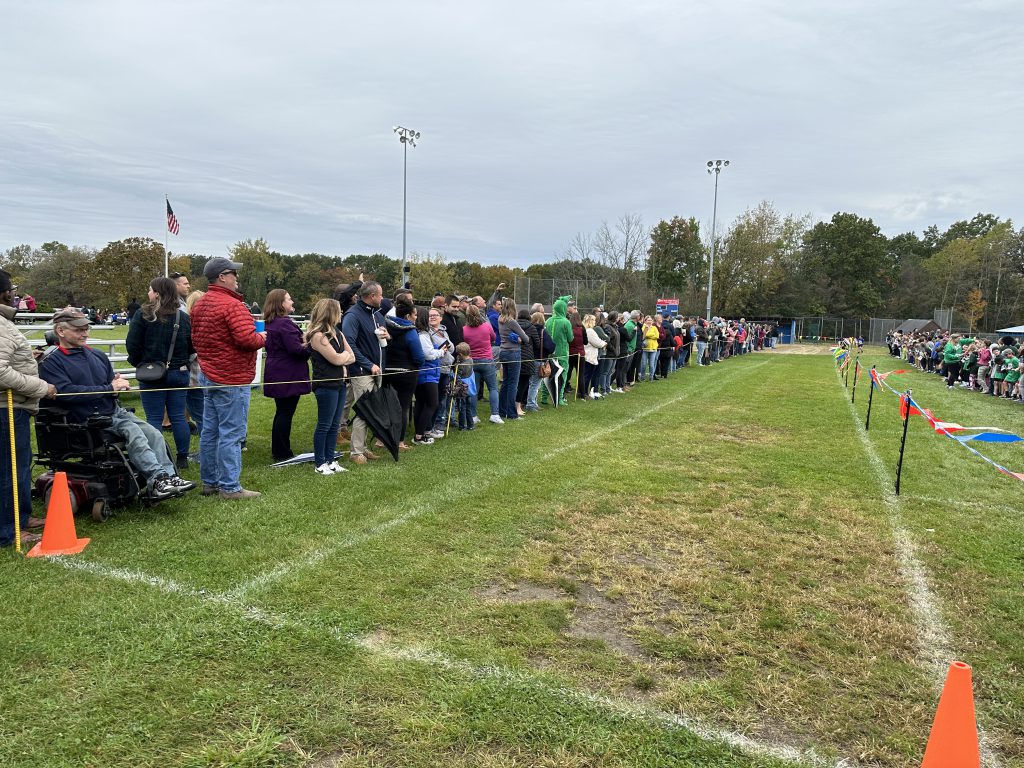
{"type": "Point", "coordinates": [330, 404]}
{"type": "Point", "coordinates": [464, 412]}
{"type": "Point", "coordinates": [531, 393]}
{"type": "Point", "coordinates": [444, 399]}
{"type": "Point", "coordinates": [147, 449]}
{"type": "Point", "coordinates": [23, 459]}
{"type": "Point", "coordinates": [485, 372]}
{"type": "Point", "coordinates": [225, 419]}
{"type": "Point", "coordinates": [511, 362]}
{"type": "Point", "coordinates": [649, 363]}
{"type": "Point", "coordinates": [605, 375]}
{"type": "Point", "coordinates": [194, 400]}
{"type": "Point", "coordinates": [153, 403]}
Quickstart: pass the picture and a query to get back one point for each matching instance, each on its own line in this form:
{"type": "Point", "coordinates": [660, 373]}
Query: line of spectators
{"type": "Point", "coordinates": [977, 363]}
{"type": "Point", "coordinates": [438, 359]}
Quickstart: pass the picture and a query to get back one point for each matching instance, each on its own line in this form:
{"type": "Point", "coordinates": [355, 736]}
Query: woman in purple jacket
{"type": "Point", "coordinates": [287, 362]}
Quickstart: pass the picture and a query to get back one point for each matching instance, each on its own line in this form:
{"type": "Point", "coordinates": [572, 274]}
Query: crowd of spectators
{"type": "Point", "coordinates": [976, 363]}
{"type": "Point", "coordinates": [200, 351]}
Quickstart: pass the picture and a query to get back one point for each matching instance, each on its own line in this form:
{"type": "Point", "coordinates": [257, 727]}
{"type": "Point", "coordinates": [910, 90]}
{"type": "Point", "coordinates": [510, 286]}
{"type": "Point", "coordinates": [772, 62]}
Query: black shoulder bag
{"type": "Point", "coordinates": [152, 372]}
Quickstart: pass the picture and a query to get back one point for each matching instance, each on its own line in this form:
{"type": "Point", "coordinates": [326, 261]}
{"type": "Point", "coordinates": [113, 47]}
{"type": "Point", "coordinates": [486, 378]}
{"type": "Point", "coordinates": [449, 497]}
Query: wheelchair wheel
{"type": "Point", "coordinates": [100, 510]}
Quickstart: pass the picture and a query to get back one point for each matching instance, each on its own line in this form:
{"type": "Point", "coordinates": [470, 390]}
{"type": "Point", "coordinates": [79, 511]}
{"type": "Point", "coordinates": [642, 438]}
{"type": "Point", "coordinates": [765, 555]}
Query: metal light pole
{"type": "Point", "coordinates": [714, 167]}
{"type": "Point", "coordinates": [407, 136]}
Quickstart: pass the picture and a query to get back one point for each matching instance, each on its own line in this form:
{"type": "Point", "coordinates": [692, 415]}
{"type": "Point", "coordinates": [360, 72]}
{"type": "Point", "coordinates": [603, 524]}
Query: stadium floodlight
{"type": "Point", "coordinates": [714, 167]}
{"type": "Point", "coordinates": [408, 137]}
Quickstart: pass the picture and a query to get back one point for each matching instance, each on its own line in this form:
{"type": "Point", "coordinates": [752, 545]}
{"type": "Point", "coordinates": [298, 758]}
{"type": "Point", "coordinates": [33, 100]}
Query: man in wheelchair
{"type": "Point", "coordinates": [75, 369]}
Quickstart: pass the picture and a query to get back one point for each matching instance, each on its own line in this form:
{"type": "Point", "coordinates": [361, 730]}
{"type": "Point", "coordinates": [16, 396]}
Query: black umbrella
{"type": "Point", "coordinates": [554, 382]}
{"type": "Point", "coordinates": [381, 411]}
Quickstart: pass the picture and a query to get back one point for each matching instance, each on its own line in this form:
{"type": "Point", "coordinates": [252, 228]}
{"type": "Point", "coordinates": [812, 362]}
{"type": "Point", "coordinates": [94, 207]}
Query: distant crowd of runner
{"type": "Point", "coordinates": [989, 366]}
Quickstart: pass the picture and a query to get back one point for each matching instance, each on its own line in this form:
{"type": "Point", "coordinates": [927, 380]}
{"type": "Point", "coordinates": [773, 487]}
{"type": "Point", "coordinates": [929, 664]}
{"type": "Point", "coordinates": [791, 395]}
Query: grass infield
{"type": "Point", "coordinates": [701, 572]}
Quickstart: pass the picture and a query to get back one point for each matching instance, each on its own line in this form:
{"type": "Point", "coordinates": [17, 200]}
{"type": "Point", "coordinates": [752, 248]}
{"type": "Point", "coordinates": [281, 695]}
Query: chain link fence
{"type": "Point", "coordinates": [588, 293]}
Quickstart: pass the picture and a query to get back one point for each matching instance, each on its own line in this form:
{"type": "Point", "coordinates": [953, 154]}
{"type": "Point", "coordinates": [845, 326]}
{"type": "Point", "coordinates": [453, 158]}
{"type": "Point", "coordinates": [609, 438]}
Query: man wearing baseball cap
{"type": "Point", "coordinates": [86, 376]}
{"type": "Point", "coordinates": [226, 341]}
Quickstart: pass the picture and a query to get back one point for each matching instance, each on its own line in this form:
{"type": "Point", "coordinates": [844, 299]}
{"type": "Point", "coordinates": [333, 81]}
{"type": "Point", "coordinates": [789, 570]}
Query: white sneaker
{"type": "Point", "coordinates": [336, 467]}
{"type": "Point", "coordinates": [425, 440]}
{"type": "Point", "coordinates": [436, 434]}
{"type": "Point", "coordinates": [619, 390]}
{"type": "Point", "coordinates": [476, 419]}
{"type": "Point", "coordinates": [496, 419]}
{"type": "Point", "coordinates": [324, 469]}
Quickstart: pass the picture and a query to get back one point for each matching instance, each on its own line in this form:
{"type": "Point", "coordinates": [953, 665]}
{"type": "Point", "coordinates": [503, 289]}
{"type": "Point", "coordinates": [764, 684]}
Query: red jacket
{"type": "Point", "coordinates": [224, 336]}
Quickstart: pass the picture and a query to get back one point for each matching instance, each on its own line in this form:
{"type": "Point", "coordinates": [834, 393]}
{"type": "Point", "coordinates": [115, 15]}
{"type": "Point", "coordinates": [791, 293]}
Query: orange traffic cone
{"type": "Point", "coordinates": [954, 737]}
{"type": "Point", "coordinates": [59, 537]}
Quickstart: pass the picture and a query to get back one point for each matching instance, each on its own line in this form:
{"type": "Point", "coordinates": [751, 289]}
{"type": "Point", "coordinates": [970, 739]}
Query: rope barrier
{"type": "Point", "coordinates": [385, 372]}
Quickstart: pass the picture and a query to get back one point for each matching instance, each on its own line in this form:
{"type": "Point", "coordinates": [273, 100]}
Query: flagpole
{"type": "Point", "coordinates": [167, 261]}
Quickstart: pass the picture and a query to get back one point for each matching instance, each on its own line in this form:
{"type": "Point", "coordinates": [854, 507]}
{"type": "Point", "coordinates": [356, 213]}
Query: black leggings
{"type": "Point", "coordinates": [404, 385]}
{"type": "Point", "coordinates": [523, 389]}
{"type": "Point", "coordinates": [574, 361]}
{"type": "Point", "coordinates": [425, 408]}
{"type": "Point", "coordinates": [952, 373]}
{"type": "Point", "coordinates": [281, 431]}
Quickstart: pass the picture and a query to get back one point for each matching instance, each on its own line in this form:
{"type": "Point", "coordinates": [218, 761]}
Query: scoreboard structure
{"type": "Point", "coordinates": [667, 306]}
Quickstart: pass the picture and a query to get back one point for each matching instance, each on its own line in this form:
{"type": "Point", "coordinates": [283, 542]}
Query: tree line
{"type": "Point", "coordinates": [767, 264]}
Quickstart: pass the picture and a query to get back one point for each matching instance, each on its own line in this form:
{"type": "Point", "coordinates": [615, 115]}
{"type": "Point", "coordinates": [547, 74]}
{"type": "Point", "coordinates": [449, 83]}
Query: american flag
{"type": "Point", "coordinates": [172, 221]}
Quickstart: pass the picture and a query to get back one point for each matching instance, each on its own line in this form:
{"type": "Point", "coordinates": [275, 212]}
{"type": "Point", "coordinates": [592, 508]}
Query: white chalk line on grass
{"type": "Point", "coordinates": [232, 600]}
{"type": "Point", "coordinates": [427, 501]}
{"type": "Point", "coordinates": [620, 708]}
{"type": "Point", "coordinates": [934, 639]}
{"type": "Point", "coordinates": [317, 556]}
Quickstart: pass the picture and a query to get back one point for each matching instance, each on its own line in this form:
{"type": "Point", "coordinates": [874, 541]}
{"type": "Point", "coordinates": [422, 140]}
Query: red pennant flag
{"type": "Point", "coordinates": [903, 408]}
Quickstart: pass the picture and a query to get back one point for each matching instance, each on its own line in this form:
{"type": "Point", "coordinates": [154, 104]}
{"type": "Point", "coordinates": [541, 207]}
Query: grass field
{"type": "Point", "coordinates": [710, 570]}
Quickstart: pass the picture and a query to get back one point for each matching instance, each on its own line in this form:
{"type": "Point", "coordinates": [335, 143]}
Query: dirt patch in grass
{"type": "Point", "coordinates": [598, 618]}
{"type": "Point", "coordinates": [774, 614]}
{"type": "Point", "coordinates": [521, 592]}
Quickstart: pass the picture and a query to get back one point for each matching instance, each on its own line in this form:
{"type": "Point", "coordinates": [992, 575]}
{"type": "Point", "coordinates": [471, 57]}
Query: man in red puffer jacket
{"type": "Point", "coordinates": [226, 341]}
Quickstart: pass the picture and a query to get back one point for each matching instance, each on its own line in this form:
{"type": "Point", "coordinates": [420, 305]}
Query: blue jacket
{"type": "Point", "coordinates": [83, 371]}
{"type": "Point", "coordinates": [493, 315]}
{"type": "Point", "coordinates": [358, 325]}
{"type": "Point", "coordinates": [404, 350]}
{"type": "Point", "coordinates": [430, 371]}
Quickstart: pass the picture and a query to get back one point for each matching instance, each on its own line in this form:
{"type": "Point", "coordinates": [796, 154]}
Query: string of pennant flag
{"type": "Point", "coordinates": [959, 433]}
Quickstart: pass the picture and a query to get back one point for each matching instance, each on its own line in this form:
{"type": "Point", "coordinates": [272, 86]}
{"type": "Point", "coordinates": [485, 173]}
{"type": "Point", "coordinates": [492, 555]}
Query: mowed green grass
{"type": "Point", "coordinates": [713, 546]}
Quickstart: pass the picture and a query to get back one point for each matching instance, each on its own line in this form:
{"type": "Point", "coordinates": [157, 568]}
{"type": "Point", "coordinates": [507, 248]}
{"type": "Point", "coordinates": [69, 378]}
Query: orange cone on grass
{"type": "Point", "coordinates": [954, 737]}
{"type": "Point", "coordinates": [59, 537]}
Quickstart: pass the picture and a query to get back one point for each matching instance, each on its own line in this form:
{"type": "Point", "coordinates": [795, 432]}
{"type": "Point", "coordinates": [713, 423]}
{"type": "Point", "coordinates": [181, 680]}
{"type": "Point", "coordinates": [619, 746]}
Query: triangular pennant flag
{"type": "Point", "coordinates": [904, 400]}
{"type": "Point", "coordinates": [990, 437]}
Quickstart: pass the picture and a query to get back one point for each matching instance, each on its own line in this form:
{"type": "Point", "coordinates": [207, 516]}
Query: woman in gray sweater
{"type": "Point", "coordinates": [512, 338]}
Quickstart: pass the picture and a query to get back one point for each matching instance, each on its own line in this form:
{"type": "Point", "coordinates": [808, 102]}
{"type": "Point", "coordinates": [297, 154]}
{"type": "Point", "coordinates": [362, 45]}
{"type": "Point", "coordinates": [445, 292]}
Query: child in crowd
{"type": "Point", "coordinates": [463, 386]}
{"type": "Point", "coordinates": [1013, 371]}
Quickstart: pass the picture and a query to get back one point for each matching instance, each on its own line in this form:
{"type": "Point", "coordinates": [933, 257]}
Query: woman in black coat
{"type": "Point", "coordinates": [532, 353]}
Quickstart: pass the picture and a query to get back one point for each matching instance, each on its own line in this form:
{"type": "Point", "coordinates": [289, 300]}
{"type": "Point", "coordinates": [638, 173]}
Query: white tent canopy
{"type": "Point", "coordinates": [1017, 330]}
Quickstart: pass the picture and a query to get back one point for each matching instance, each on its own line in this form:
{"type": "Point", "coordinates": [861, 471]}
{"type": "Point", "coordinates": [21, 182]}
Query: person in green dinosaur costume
{"type": "Point", "coordinates": [560, 330]}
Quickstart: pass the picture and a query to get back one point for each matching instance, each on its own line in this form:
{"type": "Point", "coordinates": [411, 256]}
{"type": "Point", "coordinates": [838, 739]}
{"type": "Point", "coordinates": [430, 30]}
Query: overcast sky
{"type": "Point", "coordinates": [538, 120]}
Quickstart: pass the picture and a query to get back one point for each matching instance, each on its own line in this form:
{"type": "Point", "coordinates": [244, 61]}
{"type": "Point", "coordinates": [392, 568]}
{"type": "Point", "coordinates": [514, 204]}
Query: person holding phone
{"type": "Point", "coordinates": [427, 383]}
{"type": "Point", "coordinates": [439, 336]}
